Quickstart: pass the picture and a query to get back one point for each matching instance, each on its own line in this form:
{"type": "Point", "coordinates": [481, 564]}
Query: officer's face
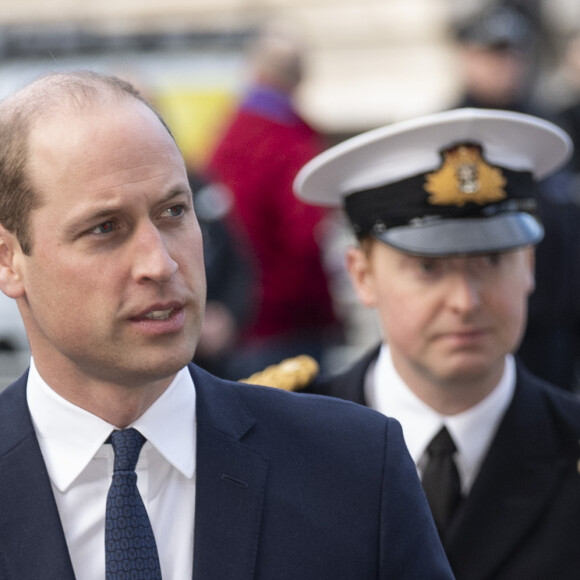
{"type": "Point", "coordinates": [446, 320]}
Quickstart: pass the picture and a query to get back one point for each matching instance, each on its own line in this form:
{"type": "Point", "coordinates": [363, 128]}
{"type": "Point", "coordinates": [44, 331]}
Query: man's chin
{"type": "Point", "coordinates": [150, 368]}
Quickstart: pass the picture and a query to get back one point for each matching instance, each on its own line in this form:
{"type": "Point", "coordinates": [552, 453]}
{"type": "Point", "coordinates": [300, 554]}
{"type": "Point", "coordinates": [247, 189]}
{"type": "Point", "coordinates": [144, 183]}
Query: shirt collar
{"type": "Point", "coordinates": [69, 443]}
{"type": "Point", "coordinates": [472, 430]}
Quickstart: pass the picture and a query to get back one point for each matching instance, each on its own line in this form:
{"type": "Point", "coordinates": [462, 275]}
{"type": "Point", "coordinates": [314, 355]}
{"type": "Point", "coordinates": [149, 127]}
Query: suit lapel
{"type": "Point", "coordinates": [230, 485]}
{"type": "Point", "coordinates": [515, 485]}
{"type": "Point", "coordinates": [31, 535]}
{"type": "Point", "coordinates": [231, 479]}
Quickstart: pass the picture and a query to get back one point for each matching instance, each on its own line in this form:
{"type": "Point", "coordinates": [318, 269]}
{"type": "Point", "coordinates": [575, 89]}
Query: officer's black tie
{"type": "Point", "coordinates": [441, 479]}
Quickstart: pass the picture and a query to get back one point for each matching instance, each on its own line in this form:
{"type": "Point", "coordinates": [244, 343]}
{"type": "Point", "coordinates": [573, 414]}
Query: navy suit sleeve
{"type": "Point", "coordinates": [409, 546]}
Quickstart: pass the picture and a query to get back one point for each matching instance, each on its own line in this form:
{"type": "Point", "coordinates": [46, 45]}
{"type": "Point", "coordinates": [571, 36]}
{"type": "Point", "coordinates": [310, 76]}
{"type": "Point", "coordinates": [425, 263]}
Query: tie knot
{"type": "Point", "coordinates": [127, 445]}
{"type": "Point", "coordinates": [442, 444]}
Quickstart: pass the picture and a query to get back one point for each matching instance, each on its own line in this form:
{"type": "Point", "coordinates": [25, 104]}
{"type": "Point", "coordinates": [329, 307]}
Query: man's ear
{"type": "Point", "coordinates": [359, 267]}
{"type": "Point", "coordinates": [10, 277]}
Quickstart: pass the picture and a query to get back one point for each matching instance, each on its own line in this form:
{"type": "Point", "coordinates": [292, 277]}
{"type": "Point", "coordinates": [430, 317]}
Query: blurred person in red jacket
{"type": "Point", "coordinates": [258, 158]}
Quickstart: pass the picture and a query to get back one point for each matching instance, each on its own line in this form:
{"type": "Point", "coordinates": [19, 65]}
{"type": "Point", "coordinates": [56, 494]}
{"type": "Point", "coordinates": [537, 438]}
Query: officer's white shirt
{"type": "Point", "coordinates": [472, 430]}
{"type": "Point", "coordinates": [80, 467]}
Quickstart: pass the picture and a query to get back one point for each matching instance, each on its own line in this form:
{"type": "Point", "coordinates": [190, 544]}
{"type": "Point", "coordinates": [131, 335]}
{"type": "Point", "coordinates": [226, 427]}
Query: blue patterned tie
{"type": "Point", "coordinates": [130, 549]}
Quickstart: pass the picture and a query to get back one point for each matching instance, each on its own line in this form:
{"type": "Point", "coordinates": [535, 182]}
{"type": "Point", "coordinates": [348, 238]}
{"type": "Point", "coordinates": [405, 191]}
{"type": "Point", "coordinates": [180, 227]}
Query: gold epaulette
{"type": "Point", "coordinates": [291, 374]}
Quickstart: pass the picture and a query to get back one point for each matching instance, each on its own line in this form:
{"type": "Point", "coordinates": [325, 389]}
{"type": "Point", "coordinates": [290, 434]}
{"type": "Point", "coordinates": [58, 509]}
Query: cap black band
{"type": "Point", "coordinates": [406, 202]}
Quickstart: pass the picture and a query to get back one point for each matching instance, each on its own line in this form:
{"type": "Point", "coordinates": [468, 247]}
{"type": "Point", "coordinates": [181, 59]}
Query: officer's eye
{"type": "Point", "coordinates": [429, 266]}
{"type": "Point", "coordinates": [493, 259]}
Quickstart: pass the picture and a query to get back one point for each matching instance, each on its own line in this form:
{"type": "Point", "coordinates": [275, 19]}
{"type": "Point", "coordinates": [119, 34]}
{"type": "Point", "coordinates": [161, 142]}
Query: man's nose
{"type": "Point", "coordinates": [153, 260]}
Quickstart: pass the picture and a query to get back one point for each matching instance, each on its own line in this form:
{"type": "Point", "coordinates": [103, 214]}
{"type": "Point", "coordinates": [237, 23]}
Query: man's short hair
{"type": "Point", "coordinates": [21, 113]}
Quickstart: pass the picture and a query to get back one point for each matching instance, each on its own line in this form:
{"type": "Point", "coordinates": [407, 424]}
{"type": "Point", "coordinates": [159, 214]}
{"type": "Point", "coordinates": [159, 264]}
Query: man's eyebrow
{"type": "Point", "coordinates": [91, 216]}
{"type": "Point", "coordinates": [176, 192]}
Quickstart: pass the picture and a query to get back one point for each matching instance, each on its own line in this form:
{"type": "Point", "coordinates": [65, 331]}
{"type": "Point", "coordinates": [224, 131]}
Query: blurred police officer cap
{"type": "Point", "coordinates": [498, 27]}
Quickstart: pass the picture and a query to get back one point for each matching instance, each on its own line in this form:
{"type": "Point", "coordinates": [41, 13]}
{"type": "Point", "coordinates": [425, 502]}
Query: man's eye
{"type": "Point", "coordinates": [104, 228]}
{"type": "Point", "coordinates": [175, 210]}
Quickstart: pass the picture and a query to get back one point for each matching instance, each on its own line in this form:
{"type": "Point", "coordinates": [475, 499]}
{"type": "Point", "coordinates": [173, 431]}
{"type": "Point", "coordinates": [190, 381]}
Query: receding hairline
{"type": "Point", "coordinates": [75, 91]}
{"type": "Point", "coordinates": [52, 95]}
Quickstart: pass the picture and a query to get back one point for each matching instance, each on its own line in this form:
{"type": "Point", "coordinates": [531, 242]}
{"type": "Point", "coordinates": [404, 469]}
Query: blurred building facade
{"type": "Point", "coordinates": [372, 61]}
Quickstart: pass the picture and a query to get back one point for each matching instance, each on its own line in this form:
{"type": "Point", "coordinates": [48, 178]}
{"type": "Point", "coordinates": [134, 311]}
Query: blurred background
{"type": "Point", "coordinates": [368, 63]}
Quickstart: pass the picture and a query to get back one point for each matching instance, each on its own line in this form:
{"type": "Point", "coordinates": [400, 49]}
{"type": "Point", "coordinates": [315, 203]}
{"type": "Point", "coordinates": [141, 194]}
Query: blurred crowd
{"type": "Point", "coordinates": [285, 287]}
{"type": "Point", "coordinates": [277, 286]}
{"type": "Point", "coordinates": [278, 239]}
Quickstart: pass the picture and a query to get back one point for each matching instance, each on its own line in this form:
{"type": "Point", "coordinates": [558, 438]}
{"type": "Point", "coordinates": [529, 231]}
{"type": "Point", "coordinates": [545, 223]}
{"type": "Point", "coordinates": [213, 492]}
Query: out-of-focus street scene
{"type": "Point", "coordinates": [277, 284]}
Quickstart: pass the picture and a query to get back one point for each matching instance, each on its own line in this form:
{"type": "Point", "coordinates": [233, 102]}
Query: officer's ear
{"type": "Point", "coordinates": [359, 267]}
{"type": "Point", "coordinates": [10, 278]}
{"type": "Point", "coordinates": [531, 263]}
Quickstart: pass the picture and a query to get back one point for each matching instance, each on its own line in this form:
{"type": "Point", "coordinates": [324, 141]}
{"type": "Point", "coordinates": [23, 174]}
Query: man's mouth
{"type": "Point", "coordinates": [159, 314]}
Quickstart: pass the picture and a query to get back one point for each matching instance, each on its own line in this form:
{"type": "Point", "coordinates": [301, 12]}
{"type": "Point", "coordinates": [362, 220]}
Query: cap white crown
{"type": "Point", "coordinates": [401, 150]}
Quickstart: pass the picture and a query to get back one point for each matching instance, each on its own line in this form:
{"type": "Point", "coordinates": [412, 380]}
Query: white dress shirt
{"type": "Point", "coordinates": [472, 430]}
{"type": "Point", "coordinates": [80, 467]}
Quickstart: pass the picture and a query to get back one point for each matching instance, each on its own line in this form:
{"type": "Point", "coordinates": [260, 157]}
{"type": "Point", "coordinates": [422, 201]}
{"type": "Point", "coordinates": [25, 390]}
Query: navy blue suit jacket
{"type": "Point", "coordinates": [288, 487]}
{"type": "Point", "coordinates": [522, 517]}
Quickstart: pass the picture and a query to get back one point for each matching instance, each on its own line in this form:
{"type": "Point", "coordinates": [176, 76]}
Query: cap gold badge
{"type": "Point", "coordinates": [465, 177]}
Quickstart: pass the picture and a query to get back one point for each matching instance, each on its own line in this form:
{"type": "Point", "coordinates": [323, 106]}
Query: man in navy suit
{"type": "Point", "coordinates": [100, 248]}
{"type": "Point", "coordinates": [444, 210]}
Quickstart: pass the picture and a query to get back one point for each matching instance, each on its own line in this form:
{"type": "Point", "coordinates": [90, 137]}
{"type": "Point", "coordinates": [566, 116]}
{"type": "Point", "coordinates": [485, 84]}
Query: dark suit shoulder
{"type": "Point", "coordinates": [308, 409]}
{"type": "Point", "coordinates": [544, 399]}
{"type": "Point", "coordinates": [349, 384]}
{"type": "Point", "coordinates": [15, 421]}
{"type": "Point", "coordinates": [289, 422]}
